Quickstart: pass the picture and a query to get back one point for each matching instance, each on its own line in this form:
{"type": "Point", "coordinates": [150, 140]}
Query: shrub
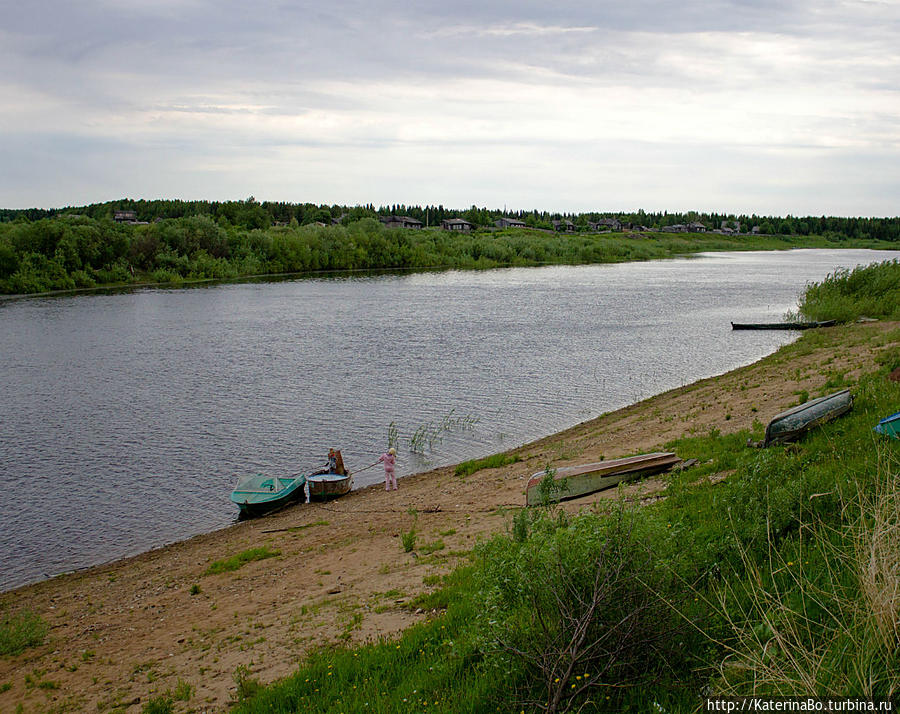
{"type": "Point", "coordinates": [583, 607]}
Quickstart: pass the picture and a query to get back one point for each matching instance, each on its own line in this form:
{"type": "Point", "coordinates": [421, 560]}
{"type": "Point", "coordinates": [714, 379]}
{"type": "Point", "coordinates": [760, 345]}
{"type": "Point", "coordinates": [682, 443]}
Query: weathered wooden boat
{"type": "Point", "coordinates": [793, 423]}
{"type": "Point", "coordinates": [574, 481]}
{"type": "Point", "coordinates": [329, 485]}
{"type": "Point", "coordinates": [781, 325]}
{"type": "Point", "coordinates": [890, 426]}
{"type": "Point", "coordinates": [260, 494]}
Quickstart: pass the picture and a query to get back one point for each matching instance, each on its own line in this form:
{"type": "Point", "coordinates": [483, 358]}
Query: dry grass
{"type": "Point", "coordinates": [805, 630]}
{"type": "Point", "coordinates": [878, 554]}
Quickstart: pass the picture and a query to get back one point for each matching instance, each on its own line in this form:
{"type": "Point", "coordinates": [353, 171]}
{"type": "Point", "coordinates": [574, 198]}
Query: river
{"type": "Point", "coordinates": [128, 417]}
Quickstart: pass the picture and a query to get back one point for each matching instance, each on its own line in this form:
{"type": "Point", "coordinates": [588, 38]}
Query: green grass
{"type": "Point", "coordinates": [241, 559]}
{"type": "Point", "coordinates": [19, 631]}
{"type": "Point", "coordinates": [467, 468]}
{"type": "Point", "coordinates": [846, 295]}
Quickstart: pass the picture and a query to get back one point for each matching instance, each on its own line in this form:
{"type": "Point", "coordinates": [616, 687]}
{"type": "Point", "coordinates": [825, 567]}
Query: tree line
{"type": "Point", "coordinates": [251, 214]}
{"type": "Point", "coordinates": [174, 241]}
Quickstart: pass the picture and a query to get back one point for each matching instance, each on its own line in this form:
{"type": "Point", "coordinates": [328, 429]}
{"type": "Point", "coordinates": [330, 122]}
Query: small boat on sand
{"type": "Point", "coordinates": [781, 325]}
{"type": "Point", "coordinates": [329, 485]}
{"type": "Point", "coordinates": [333, 481]}
{"type": "Point", "coordinates": [793, 423]}
{"type": "Point", "coordinates": [890, 426]}
{"type": "Point", "coordinates": [258, 495]}
{"type": "Point", "coordinates": [574, 481]}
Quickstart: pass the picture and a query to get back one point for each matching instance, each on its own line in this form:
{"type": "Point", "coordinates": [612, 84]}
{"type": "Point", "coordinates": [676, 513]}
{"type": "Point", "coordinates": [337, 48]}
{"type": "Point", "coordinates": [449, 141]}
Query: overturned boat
{"type": "Point", "coordinates": [890, 426]}
{"type": "Point", "coordinates": [790, 425]}
{"type": "Point", "coordinates": [574, 481]}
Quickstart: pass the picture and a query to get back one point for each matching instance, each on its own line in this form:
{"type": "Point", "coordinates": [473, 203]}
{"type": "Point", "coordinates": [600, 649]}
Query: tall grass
{"type": "Point", "coordinates": [846, 295]}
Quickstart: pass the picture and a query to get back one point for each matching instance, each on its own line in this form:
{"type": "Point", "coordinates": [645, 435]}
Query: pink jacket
{"type": "Point", "coordinates": [389, 461]}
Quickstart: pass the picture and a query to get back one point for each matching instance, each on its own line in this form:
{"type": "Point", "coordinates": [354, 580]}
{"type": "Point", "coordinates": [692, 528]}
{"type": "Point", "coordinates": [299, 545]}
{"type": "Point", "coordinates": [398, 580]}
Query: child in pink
{"type": "Point", "coordinates": [389, 459]}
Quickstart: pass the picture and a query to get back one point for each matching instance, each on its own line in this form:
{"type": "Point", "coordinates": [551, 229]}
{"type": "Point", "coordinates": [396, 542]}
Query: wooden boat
{"type": "Point", "coordinates": [781, 325]}
{"type": "Point", "coordinates": [575, 481]}
{"type": "Point", "coordinates": [260, 494]}
{"type": "Point", "coordinates": [791, 424]}
{"type": "Point", "coordinates": [329, 485]}
{"type": "Point", "coordinates": [890, 426]}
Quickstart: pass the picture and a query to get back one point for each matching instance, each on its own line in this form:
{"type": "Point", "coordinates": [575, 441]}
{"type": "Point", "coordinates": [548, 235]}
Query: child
{"type": "Point", "coordinates": [389, 459]}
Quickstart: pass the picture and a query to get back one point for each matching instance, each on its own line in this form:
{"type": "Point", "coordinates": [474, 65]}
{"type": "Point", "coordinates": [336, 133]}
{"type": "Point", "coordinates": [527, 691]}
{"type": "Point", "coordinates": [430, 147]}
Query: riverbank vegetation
{"type": "Point", "coordinates": [19, 631]}
{"type": "Point", "coordinates": [870, 291]}
{"type": "Point", "coordinates": [172, 242]}
{"type": "Point", "coordinates": [756, 571]}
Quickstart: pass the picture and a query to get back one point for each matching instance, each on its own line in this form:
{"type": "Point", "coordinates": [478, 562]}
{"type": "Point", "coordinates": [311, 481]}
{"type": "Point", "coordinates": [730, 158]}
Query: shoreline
{"type": "Point", "coordinates": [127, 630]}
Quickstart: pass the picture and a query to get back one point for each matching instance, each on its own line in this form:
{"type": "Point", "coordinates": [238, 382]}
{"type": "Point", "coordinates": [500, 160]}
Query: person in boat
{"type": "Point", "coordinates": [389, 459]}
{"type": "Point", "coordinates": [332, 461]}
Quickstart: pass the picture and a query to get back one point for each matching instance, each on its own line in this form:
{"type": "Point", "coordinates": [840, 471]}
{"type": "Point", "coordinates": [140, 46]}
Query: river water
{"type": "Point", "coordinates": [127, 418]}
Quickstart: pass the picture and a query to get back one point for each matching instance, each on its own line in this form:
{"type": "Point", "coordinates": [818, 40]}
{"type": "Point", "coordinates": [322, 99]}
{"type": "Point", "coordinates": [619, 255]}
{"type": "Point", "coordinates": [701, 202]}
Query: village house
{"type": "Point", "coordinates": [456, 224]}
{"type": "Point", "coordinates": [509, 223]}
{"type": "Point", "coordinates": [125, 216]}
{"type": "Point", "coordinates": [604, 224]}
{"type": "Point", "coordinates": [400, 222]}
{"type": "Point", "coordinates": [564, 226]}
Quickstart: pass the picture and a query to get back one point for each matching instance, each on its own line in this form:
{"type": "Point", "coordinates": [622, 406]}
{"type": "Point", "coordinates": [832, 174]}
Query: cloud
{"type": "Point", "coordinates": [325, 101]}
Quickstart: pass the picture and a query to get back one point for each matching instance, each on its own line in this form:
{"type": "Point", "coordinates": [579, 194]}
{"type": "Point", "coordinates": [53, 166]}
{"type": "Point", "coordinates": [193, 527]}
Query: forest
{"type": "Point", "coordinates": [44, 250]}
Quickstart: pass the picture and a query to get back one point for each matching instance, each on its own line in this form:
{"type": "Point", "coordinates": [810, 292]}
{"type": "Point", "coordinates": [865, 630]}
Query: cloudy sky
{"type": "Point", "coordinates": [742, 106]}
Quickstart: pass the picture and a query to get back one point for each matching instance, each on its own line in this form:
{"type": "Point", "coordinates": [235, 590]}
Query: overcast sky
{"type": "Point", "coordinates": [737, 106]}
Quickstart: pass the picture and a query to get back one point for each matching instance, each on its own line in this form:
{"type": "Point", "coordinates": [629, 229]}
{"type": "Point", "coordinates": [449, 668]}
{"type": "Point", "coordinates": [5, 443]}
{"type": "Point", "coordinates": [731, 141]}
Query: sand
{"type": "Point", "coordinates": [125, 632]}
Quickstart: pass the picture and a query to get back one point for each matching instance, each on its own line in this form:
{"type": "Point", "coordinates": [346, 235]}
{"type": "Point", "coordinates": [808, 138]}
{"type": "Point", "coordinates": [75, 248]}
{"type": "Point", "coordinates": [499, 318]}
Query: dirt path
{"type": "Point", "coordinates": [125, 632]}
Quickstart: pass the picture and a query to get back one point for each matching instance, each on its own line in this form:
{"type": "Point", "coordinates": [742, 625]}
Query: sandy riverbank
{"type": "Point", "coordinates": [123, 632]}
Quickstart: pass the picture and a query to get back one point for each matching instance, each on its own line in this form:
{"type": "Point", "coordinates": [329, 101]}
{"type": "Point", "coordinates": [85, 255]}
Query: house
{"type": "Point", "coordinates": [509, 223]}
{"type": "Point", "coordinates": [611, 224]}
{"type": "Point", "coordinates": [564, 226]}
{"type": "Point", "coordinates": [400, 222]}
{"type": "Point", "coordinates": [456, 224]}
{"type": "Point", "coordinates": [696, 227]}
{"type": "Point", "coordinates": [677, 228]}
{"type": "Point", "coordinates": [125, 216]}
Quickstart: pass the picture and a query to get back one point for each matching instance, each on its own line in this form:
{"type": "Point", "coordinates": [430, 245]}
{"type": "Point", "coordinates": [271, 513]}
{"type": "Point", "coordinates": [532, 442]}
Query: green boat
{"type": "Point", "coordinates": [790, 425]}
{"type": "Point", "coordinates": [260, 494]}
{"type": "Point", "coordinates": [890, 426]}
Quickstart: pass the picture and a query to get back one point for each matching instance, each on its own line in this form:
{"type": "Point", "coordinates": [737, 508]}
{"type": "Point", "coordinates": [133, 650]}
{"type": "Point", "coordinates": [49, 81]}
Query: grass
{"type": "Point", "coordinates": [19, 631]}
{"type": "Point", "coordinates": [241, 559]}
{"type": "Point", "coordinates": [467, 468]}
{"type": "Point", "coordinates": [846, 295]}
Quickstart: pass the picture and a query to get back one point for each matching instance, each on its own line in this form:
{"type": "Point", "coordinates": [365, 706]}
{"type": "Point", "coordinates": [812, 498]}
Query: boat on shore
{"type": "Point", "coordinates": [890, 426]}
{"type": "Point", "coordinates": [791, 424]}
{"type": "Point", "coordinates": [781, 325]}
{"type": "Point", "coordinates": [574, 481]}
{"type": "Point", "coordinates": [258, 495]}
{"type": "Point", "coordinates": [329, 485]}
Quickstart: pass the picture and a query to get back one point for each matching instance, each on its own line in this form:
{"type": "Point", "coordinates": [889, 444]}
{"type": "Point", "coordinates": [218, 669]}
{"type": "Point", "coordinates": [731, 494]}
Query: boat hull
{"type": "Point", "coordinates": [890, 426]}
{"type": "Point", "coordinates": [575, 481]}
{"type": "Point", "coordinates": [781, 325]}
{"type": "Point", "coordinates": [790, 425]}
{"type": "Point", "coordinates": [325, 486]}
{"type": "Point", "coordinates": [260, 495]}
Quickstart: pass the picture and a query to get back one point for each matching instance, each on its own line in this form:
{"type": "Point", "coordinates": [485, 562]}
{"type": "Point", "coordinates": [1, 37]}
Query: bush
{"type": "Point", "coordinates": [583, 607]}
